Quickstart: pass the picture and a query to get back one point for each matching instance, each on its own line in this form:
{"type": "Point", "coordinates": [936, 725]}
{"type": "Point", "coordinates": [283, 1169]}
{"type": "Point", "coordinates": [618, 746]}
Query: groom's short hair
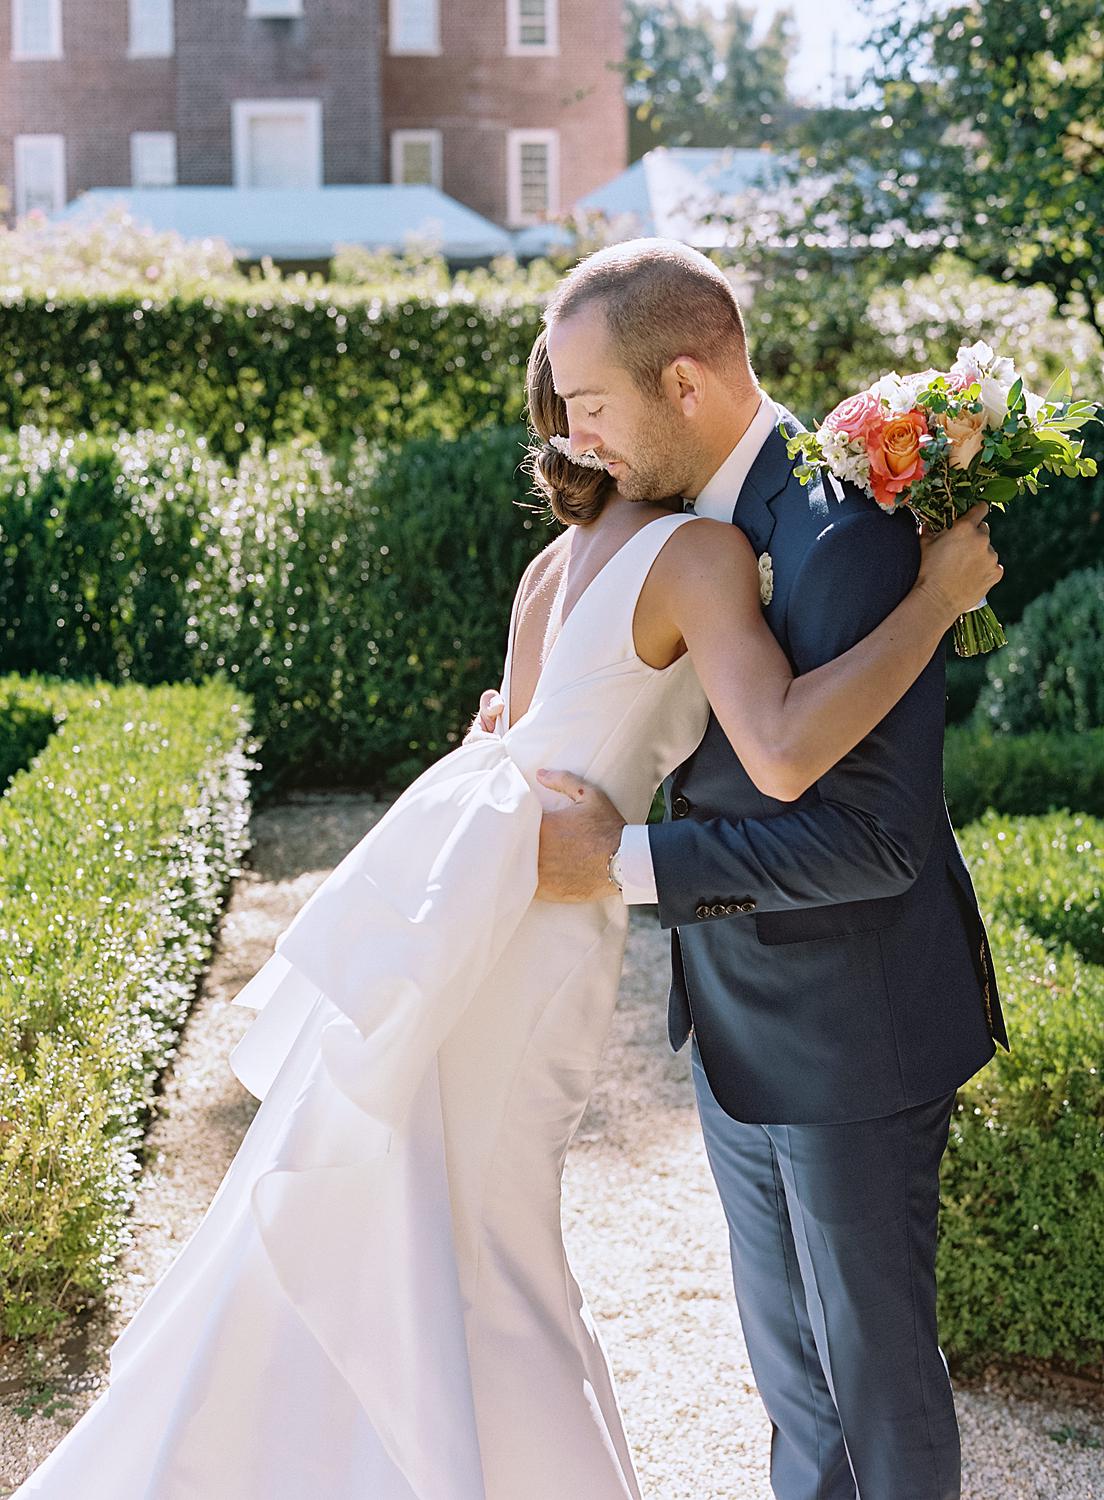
{"type": "Point", "coordinates": [660, 299]}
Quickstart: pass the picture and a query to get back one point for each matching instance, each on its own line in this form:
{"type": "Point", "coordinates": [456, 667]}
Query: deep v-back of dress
{"type": "Point", "coordinates": [378, 1302]}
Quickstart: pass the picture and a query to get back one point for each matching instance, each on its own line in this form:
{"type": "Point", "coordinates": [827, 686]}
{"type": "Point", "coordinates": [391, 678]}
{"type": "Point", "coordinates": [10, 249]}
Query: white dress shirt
{"type": "Point", "coordinates": [718, 500]}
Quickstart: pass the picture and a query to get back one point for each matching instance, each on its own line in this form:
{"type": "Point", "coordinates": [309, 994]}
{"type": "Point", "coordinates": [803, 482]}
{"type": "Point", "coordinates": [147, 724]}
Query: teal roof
{"type": "Point", "coordinates": [307, 223]}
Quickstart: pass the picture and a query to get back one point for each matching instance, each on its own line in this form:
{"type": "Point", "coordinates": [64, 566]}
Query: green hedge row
{"type": "Point", "coordinates": [1021, 1257]}
{"type": "Point", "coordinates": [1022, 773]}
{"type": "Point", "coordinates": [274, 361]}
{"type": "Point", "coordinates": [361, 605]}
{"type": "Point", "coordinates": [117, 844]}
{"type": "Point", "coordinates": [361, 601]}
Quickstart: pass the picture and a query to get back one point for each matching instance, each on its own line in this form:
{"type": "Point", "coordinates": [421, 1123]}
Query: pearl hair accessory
{"type": "Point", "coordinates": [587, 460]}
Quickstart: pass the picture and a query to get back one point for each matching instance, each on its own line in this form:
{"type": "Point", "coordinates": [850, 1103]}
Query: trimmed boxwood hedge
{"type": "Point", "coordinates": [1022, 773]}
{"type": "Point", "coordinates": [272, 360]}
{"type": "Point", "coordinates": [1021, 1258]}
{"type": "Point", "coordinates": [1051, 673]}
{"type": "Point", "coordinates": [361, 604]}
{"type": "Point", "coordinates": [117, 844]}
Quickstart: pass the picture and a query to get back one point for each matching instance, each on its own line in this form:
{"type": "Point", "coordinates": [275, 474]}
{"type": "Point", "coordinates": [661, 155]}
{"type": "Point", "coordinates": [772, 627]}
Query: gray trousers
{"type": "Point", "coordinates": [833, 1234]}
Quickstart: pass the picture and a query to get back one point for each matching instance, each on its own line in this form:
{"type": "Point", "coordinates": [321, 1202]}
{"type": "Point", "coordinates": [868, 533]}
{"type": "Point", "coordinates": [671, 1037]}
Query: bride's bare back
{"type": "Point", "coordinates": [554, 583]}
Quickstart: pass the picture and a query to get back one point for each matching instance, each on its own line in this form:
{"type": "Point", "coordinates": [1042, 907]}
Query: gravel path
{"type": "Point", "coordinates": [643, 1225]}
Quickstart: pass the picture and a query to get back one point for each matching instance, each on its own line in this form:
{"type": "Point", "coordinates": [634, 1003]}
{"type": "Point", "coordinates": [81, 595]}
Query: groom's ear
{"type": "Point", "coordinates": [684, 384]}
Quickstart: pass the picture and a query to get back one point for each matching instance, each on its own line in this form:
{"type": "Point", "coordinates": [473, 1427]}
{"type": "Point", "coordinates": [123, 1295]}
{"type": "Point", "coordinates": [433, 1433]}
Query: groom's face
{"type": "Point", "coordinates": [643, 439]}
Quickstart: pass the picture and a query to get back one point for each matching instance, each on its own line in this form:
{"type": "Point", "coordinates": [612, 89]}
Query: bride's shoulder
{"type": "Point", "coordinates": [708, 543]}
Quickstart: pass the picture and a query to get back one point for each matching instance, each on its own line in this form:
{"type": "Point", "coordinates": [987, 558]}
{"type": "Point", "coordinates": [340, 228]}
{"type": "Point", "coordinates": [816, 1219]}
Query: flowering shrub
{"type": "Point", "coordinates": [1021, 1254]}
{"type": "Point", "coordinates": [117, 843]}
{"type": "Point", "coordinates": [106, 256]}
{"type": "Point", "coordinates": [362, 604]}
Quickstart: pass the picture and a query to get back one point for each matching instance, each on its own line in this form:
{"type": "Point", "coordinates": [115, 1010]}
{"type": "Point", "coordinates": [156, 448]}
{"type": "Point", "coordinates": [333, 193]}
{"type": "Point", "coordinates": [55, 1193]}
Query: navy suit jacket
{"type": "Point", "coordinates": [829, 952]}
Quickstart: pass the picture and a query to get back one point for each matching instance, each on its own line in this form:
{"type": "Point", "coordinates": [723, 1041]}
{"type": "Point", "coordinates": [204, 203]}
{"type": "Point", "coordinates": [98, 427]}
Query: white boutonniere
{"type": "Point", "coordinates": [766, 578]}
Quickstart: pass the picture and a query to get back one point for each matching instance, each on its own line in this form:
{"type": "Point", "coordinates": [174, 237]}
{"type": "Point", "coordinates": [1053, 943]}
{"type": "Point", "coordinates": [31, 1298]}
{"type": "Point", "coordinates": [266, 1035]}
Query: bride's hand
{"type": "Point", "coordinates": [959, 566]}
{"type": "Point", "coordinates": [491, 708]}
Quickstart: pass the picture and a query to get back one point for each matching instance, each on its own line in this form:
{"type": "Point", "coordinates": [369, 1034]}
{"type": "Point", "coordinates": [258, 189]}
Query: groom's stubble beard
{"type": "Point", "coordinates": [662, 460]}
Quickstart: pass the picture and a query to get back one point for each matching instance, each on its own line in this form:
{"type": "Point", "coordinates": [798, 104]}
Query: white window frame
{"type": "Point", "coordinates": [242, 111]}
{"type": "Point", "coordinates": [401, 138]}
{"type": "Point", "coordinates": [138, 138]}
{"type": "Point", "coordinates": [58, 141]}
{"type": "Point", "coordinates": [18, 49]}
{"type": "Point", "coordinates": [515, 47]}
{"type": "Point", "coordinates": [134, 48]}
{"type": "Point", "coordinates": [395, 50]}
{"type": "Point", "coordinates": [275, 10]}
{"type": "Point", "coordinates": [515, 139]}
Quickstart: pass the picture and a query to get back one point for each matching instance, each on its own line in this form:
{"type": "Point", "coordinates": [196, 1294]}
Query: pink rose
{"type": "Point", "coordinates": [852, 418]}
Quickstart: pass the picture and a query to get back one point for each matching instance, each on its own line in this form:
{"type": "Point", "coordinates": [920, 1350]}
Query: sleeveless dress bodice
{"type": "Point", "coordinates": [377, 1301]}
{"type": "Point", "coordinates": [598, 709]}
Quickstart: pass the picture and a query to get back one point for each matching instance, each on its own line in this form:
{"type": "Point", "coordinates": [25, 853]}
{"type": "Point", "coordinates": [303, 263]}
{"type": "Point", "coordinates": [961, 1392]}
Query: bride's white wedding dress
{"type": "Point", "coordinates": [377, 1305]}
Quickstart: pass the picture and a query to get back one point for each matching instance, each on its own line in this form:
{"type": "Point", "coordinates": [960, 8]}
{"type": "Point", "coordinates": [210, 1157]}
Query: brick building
{"type": "Point", "coordinates": [514, 107]}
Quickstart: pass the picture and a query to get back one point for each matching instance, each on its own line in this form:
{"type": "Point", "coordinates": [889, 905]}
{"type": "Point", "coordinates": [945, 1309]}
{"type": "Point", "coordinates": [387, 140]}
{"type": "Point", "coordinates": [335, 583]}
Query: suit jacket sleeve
{"type": "Point", "coordinates": [863, 832]}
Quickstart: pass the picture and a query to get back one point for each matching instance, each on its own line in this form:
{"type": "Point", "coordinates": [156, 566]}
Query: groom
{"type": "Point", "coordinates": [829, 958]}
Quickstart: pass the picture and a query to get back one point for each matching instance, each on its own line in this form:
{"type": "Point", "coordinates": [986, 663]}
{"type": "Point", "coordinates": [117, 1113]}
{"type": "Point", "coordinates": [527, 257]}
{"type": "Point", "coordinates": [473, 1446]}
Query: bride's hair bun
{"type": "Point", "coordinates": [574, 494]}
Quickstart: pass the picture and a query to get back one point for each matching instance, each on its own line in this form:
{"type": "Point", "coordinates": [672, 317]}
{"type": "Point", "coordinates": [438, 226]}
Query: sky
{"type": "Point", "coordinates": [818, 21]}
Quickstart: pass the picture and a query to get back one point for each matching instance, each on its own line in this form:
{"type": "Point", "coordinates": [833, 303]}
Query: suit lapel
{"type": "Point", "coordinates": [767, 478]}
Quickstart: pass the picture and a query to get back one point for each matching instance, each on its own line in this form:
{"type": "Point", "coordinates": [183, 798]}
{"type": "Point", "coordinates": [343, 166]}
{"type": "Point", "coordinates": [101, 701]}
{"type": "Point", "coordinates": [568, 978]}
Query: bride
{"type": "Point", "coordinates": [377, 1304]}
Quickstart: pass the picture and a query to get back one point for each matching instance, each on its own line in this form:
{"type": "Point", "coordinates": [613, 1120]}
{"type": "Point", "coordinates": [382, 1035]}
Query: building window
{"type": "Point", "coordinates": [153, 158]}
{"type": "Point", "coordinates": [414, 26]}
{"type": "Point", "coordinates": [277, 143]}
{"type": "Point", "coordinates": [532, 26]}
{"type": "Point", "coordinates": [151, 28]}
{"type": "Point", "coordinates": [275, 9]}
{"type": "Point", "coordinates": [36, 28]}
{"type": "Point", "coordinates": [416, 157]}
{"type": "Point", "coordinates": [39, 173]}
{"type": "Point", "coordinates": [533, 175]}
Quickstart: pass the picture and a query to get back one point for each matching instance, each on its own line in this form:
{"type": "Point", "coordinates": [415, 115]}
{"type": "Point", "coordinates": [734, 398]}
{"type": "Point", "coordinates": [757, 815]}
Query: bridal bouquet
{"type": "Point", "coordinates": [939, 443]}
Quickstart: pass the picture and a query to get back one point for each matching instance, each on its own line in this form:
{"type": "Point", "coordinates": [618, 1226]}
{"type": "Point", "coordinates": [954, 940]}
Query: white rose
{"type": "Point", "coordinates": [899, 395]}
{"type": "Point", "coordinates": [994, 398]}
{"type": "Point", "coordinates": [1034, 404]}
{"type": "Point", "coordinates": [977, 356]}
{"type": "Point", "coordinates": [1004, 370]}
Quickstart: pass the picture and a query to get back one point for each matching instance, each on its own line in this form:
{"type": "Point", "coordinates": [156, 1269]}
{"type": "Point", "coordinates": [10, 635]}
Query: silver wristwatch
{"type": "Point", "coordinates": [614, 870]}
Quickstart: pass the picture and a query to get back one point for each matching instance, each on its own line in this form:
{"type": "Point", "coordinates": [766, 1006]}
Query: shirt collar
{"type": "Point", "coordinates": [719, 495]}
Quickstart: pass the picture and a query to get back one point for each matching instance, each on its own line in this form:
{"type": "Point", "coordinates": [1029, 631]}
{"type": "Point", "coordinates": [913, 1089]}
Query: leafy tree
{"type": "Point", "coordinates": [984, 134]}
{"type": "Point", "coordinates": [698, 79]}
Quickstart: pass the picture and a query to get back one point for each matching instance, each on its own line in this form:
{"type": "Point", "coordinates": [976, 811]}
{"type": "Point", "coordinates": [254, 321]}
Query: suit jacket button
{"type": "Point", "coordinates": [745, 906]}
{"type": "Point", "coordinates": [732, 909]}
{"type": "Point", "coordinates": [717, 911]}
{"type": "Point", "coordinates": [679, 807]}
{"type": "Point", "coordinates": [701, 911]}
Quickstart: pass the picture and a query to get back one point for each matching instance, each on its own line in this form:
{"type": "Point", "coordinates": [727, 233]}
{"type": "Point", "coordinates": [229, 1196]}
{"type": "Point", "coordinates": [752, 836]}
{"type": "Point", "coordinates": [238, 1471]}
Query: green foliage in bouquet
{"type": "Point", "coordinates": [1052, 674]}
{"type": "Point", "coordinates": [117, 844]}
{"type": "Point", "coordinates": [1021, 1255]}
{"type": "Point", "coordinates": [982, 443]}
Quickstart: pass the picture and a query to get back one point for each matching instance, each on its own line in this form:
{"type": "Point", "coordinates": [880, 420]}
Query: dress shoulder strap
{"type": "Point", "coordinates": [638, 557]}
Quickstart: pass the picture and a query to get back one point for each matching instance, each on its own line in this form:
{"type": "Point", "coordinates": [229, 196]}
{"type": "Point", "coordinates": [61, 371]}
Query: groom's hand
{"type": "Point", "coordinates": [576, 843]}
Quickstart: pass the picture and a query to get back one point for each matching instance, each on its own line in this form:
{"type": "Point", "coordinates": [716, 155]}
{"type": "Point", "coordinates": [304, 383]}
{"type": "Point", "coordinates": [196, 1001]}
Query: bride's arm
{"type": "Point", "coordinates": [788, 731]}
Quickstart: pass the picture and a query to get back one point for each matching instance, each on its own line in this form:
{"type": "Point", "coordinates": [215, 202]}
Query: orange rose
{"type": "Point", "coordinates": [895, 456]}
{"type": "Point", "coordinates": [964, 433]}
